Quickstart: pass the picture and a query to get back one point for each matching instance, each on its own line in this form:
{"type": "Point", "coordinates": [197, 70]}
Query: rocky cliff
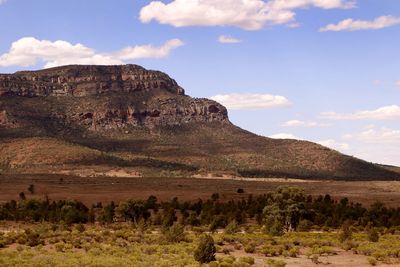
{"type": "Point", "coordinates": [85, 81]}
{"type": "Point", "coordinates": [104, 97]}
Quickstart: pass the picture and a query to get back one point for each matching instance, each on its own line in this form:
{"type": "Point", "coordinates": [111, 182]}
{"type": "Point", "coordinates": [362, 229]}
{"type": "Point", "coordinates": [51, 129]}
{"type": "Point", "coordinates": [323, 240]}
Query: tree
{"type": "Point", "coordinates": [31, 189]}
{"type": "Point", "coordinates": [205, 251]}
{"type": "Point", "coordinates": [22, 196]}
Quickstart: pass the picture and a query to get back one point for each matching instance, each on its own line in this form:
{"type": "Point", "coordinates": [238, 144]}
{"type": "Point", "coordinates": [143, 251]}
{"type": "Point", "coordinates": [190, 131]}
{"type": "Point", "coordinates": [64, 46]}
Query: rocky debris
{"type": "Point", "coordinates": [80, 80]}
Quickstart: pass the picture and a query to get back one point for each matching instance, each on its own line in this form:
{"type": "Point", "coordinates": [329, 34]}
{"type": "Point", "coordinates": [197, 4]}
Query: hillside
{"type": "Point", "coordinates": [128, 118]}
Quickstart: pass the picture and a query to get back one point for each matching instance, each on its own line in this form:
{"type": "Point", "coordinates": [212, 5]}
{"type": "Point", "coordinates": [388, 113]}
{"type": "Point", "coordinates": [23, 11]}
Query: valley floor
{"type": "Point", "coordinates": [93, 189]}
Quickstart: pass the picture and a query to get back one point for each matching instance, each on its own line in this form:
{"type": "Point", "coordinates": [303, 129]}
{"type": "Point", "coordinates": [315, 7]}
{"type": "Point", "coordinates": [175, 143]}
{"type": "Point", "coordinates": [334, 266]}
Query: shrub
{"type": "Point", "coordinates": [372, 261]}
{"type": "Point", "coordinates": [275, 263]}
{"type": "Point", "coordinates": [250, 248]}
{"type": "Point", "coordinates": [175, 233]}
{"type": "Point", "coordinates": [33, 238]}
{"type": "Point", "coordinates": [80, 228]}
{"type": "Point", "coordinates": [205, 251]}
{"type": "Point", "coordinates": [373, 235]}
{"type": "Point", "coordinates": [345, 233]}
{"type": "Point", "coordinates": [248, 260]}
{"type": "Point", "coordinates": [231, 228]}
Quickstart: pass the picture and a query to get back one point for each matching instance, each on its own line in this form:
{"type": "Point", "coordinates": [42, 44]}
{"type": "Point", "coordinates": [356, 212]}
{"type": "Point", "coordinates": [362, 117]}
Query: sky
{"type": "Point", "coordinates": [320, 70]}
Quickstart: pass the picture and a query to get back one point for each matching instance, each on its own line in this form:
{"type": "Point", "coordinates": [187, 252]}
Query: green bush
{"type": "Point", "coordinates": [205, 251]}
{"type": "Point", "coordinates": [175, 233]}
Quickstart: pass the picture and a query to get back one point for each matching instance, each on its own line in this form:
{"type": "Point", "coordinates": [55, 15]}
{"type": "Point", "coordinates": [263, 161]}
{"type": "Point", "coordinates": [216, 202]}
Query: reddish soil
{"type": "Point", "coordinates": [105, 189]}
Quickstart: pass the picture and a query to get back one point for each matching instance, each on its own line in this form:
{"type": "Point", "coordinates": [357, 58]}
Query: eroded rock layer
{"type": "Point", "coordinates": [101, 98]}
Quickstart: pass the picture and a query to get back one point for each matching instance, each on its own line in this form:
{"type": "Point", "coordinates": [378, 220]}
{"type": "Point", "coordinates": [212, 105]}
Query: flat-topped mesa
{"type": "Point", "coordinates": [85, 80]}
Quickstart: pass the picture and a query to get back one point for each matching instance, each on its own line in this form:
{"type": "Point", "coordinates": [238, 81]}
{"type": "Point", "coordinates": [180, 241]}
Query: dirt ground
{"type": "Point", "coordinates": [106, 189]}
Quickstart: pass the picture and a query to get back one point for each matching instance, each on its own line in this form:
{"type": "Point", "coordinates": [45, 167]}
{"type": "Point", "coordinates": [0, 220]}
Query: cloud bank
{"type": "Point", "coordinates": [357, 25]}
{"type": "Point", "coordinates": [29, 51]}
{"type": "Point", "coordinates": [284, 136]}
{"type": "Point", "coordinates": [245, 14]}
{"type": "Point", "coordinates": [251, 101]}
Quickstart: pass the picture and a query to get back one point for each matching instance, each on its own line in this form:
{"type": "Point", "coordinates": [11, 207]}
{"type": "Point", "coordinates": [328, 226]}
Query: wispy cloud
{"type": "Point", "coordinates": [251, 101]}
{"type": "Point", "coordinates": [357, 25]}
{"type": "Point", "coordinates": [248, 15]}
{"type": "Point", "coordinates": [29, 51]}
{"type": "Point", "coordinates": [224, 39]}
{"type": "Point", "coordinates": [304, 124]}
{"type": "Point", "coordinates": [384, 113]}
{"type": "Point", "coordinates": [376, 135]}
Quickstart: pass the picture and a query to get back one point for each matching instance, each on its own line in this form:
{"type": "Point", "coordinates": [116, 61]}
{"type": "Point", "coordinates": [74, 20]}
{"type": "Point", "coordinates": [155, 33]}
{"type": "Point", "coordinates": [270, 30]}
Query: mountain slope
{"type": "Point", "coordinates": [127, 117]}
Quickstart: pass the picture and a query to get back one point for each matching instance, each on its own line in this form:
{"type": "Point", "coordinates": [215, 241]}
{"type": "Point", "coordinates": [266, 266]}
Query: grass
{"type": "Point", "coordinates": [126, 245]}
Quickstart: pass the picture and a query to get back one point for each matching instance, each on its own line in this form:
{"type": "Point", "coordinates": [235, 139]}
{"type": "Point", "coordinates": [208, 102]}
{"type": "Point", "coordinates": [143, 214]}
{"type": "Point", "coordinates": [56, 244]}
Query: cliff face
{"type": "Point", "coordinates": [105, 97]}
{"type": "Point", "coordinates": [85, 81]}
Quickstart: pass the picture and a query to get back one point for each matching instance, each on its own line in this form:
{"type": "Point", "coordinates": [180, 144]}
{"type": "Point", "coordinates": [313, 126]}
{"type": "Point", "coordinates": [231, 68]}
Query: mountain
{"type": "Point", "coordinates": [100, 119]}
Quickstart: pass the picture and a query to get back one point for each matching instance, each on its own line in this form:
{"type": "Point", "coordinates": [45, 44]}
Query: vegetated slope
{"type": "Point", "coordinates": [126, 116]}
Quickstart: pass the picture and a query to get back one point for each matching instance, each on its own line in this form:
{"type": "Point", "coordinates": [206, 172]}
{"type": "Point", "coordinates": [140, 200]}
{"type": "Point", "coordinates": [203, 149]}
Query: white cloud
{"type": "Point", "coordinates": [331, 143]}
{"type": "Point", "coordinates": [305, 124]}
{"type": "Point", "coordinates": [376, 135]}
{"type": "Point", "coordinates": [251, 101]}
{"type": "Point", "coordinates": [356, 25]}
{"type": "Point", "coordinates": [223, 39]}
{"type": "Point", "coordinates": [2, 1]}
{"type": "Point", "coordinates": [245, 14]}
{"type": "Point", "coordinates": [284, 136]}
{"type": "Point", "coordinates": [398, 83]}
{"type": "Point", "coordinates": [29, 51]}
{"type": "Point", "coordinates": [383, 113]}
{"type": "Point", "coordinates": [148, 51]}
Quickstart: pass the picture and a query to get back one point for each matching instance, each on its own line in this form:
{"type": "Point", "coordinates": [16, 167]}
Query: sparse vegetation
{"type": "Point", "coordinates": [161, 233]}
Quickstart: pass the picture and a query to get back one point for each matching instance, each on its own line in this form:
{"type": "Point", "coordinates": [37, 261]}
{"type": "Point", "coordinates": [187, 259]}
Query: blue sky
{"type": "Point", "coordinates": [320, 70]}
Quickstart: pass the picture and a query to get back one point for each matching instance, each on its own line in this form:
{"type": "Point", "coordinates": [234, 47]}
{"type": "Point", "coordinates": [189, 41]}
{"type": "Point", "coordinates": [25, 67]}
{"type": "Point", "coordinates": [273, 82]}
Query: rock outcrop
{"type": "Point", "coordinates": [105, 97]}
{"type": "Point", "coordinates": [78, 80]}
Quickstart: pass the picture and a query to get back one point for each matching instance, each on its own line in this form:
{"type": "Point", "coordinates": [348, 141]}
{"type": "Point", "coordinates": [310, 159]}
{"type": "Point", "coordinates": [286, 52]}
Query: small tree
{"type": "Point", "coordinates": [205, 251]}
